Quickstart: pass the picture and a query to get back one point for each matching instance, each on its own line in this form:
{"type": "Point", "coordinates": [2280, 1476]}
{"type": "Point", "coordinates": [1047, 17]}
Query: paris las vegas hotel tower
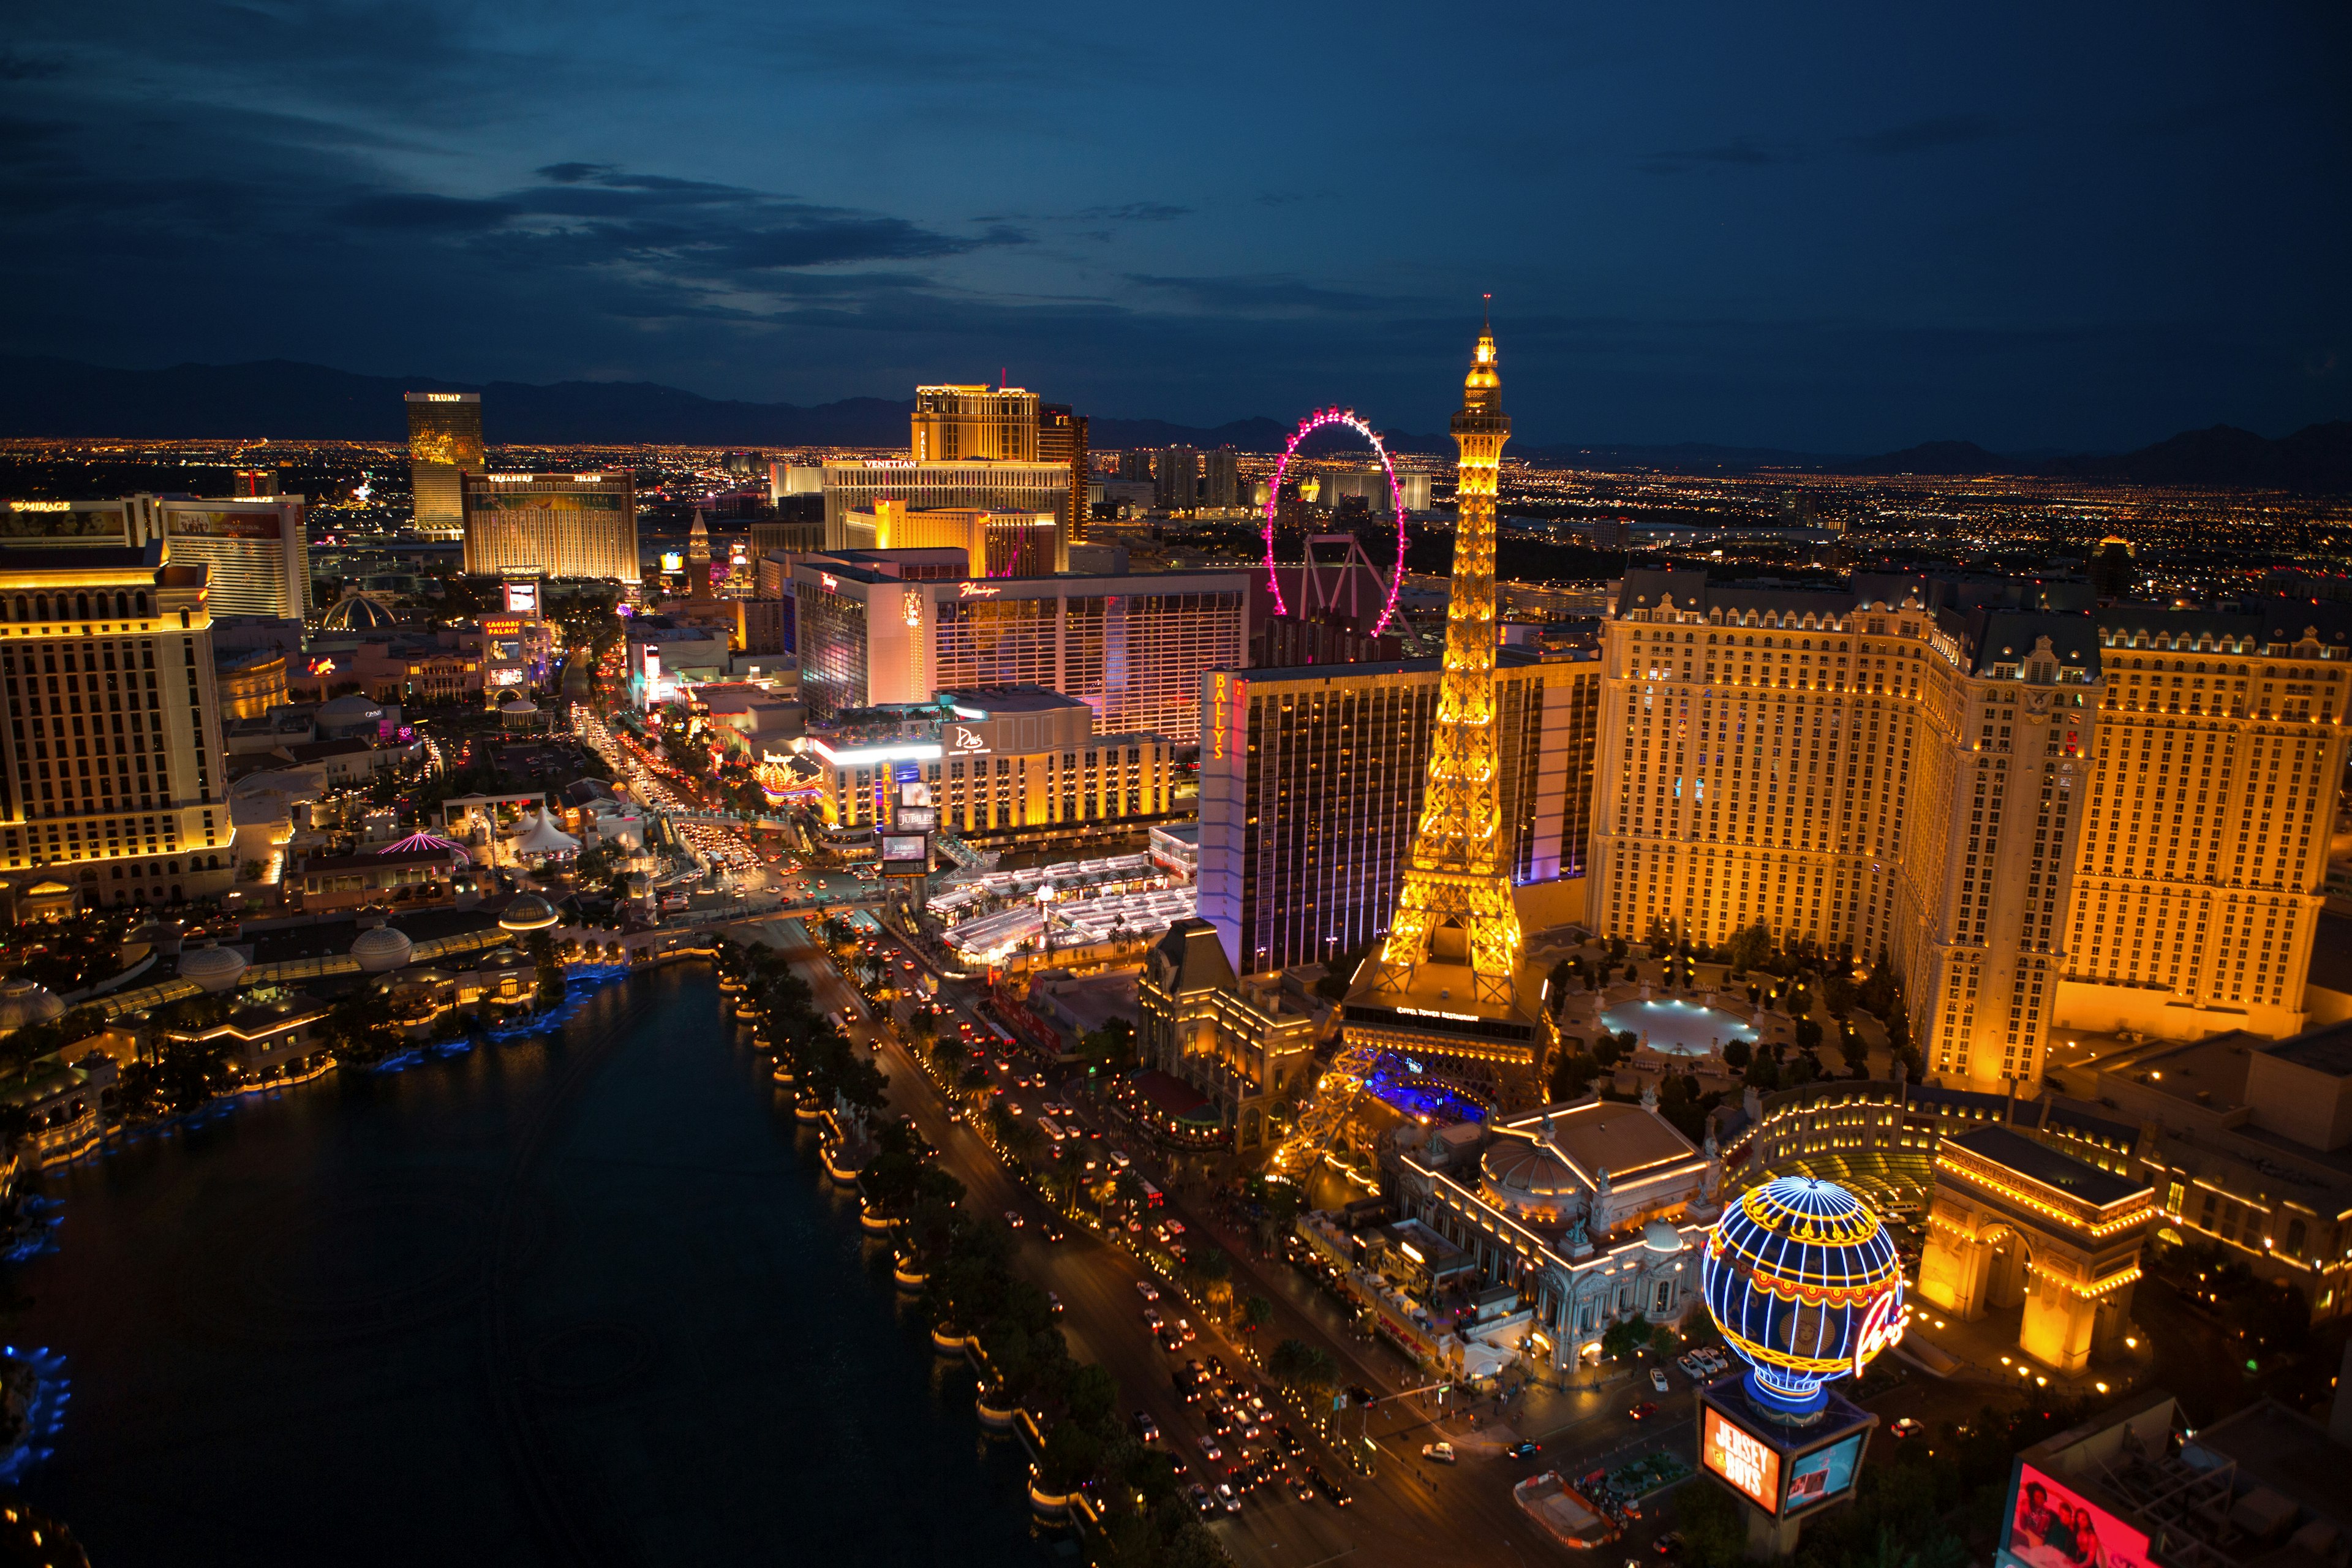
{"type": "Point", "coordinates": [2050, 816]}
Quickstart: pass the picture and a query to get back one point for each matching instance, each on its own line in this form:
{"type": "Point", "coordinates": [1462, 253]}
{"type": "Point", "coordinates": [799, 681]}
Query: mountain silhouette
{"type": "Point", "coordinates": [289, 400]}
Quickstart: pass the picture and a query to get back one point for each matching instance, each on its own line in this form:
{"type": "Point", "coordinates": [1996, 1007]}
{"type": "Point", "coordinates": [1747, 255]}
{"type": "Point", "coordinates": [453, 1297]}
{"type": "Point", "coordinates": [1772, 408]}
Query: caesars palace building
{"type": "Point", "coordinates": [2046, 813]}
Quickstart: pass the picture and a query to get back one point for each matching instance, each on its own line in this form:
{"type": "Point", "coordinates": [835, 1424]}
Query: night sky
{"type": "Point", "coordinates": [2034, 227]}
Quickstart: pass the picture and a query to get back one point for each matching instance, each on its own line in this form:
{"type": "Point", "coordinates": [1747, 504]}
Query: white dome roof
{"type": "Point", "coordinates": [350, 705]}
{"type": "Point", "coordinates": [212, 968]}
{"type": "Point", "coordinates": [24, 1001]}
{"type": "Point", "coordinates": [381, 949]}
{"type": "Point", "coordinates": [1659, 1235]}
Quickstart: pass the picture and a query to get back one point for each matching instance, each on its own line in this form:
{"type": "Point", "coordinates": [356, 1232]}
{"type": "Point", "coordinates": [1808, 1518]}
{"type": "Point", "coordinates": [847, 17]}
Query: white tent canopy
{"type": "Point", "coordinates": [535, 835]}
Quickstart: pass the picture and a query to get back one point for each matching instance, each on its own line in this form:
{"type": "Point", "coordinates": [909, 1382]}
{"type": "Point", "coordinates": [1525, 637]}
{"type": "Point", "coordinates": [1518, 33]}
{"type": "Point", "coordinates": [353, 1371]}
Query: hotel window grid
{"type": "Point", "coordinates": [832, 650]}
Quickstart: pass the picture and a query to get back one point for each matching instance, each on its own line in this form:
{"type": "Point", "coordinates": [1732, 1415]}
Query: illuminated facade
{"type": "Point", "coordinates": [1132, 649]}
{"type": "Point", "coordinates": [551, 525]}
{"type": "Point", "coordinates": [1061, 438]}
{"type": "Point", "coordinates": [995, 543]}
{"type": "Point", "coordinates": [112, 772]}
{"type": "Point", "coordinates": [257, 552]}
{"type": "Point", "coordinates": [2014, 1222]}
{"type": "Point", "coordinates": [1312, 784]}
{"type": "Point", "coordinates": [855, 485]}
{"type": "Point", "coordinates": [255, 548]}
{"type": "Point", "coordinates": [2005, 796]}
{"type": "Point", "coordinates": [957, 424]}
{"type": "Point", "coordinates": [1596, 1211]}
{"type": "Point", "coordinates": [2203, 860]}
{"type": "Point", "coordinates": [445, 443]}
{"type": "Point", "coordinates": [1812, 759]}
{"type": "Point", "coordinates": [1242, 1045]}
{"type": "Point", "coordinates": [1450, 983]}
{"type": "Point", "coordinates": [1009, 758]}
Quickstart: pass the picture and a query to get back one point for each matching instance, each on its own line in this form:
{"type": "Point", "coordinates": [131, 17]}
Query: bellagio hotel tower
{"type": "Point", "coordinates": [2050, 816]}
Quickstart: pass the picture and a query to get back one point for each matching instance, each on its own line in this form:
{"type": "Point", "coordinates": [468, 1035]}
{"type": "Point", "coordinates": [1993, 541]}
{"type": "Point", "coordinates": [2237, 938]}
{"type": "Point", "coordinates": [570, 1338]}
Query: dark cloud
{"type": "Point", "coordinates": [1927, 135]}
{"type": "Point", "coordinates": [424, 213]}
{"type": "Point", "coordinates": [572, 174]}
{"type": "Point", "coordinates": [1740, 153]}
{"type": "Point", "coordinates": [1138, 212]}
{"type": "Point", "coordinates": [16, 67]}
{"type": "Point", "coordinates": [1258, 295]}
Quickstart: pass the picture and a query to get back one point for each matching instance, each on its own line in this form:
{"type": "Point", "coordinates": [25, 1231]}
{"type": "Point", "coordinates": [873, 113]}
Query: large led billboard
{"type": "Point", "coordinates": [522, 598]}
{"type": "Point", "coordinates": [1824, 1474]}
{"type": "Point", "coordinates": [1750, 1466]}
{"type": "Point", "coordinates": [2050, 1525]}
{"type": "Point", "coordinates": [908, 849]}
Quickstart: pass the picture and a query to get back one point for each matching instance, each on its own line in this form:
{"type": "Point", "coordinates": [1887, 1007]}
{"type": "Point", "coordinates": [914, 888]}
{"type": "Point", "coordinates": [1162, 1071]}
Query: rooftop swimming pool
{"type": "Point", "coordinates": [1677, 1028]}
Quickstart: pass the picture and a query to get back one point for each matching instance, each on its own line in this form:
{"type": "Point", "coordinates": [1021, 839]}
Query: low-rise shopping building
{"type": "Point", "coordinates": [1003, 759]}
{"type": "Point", "coordinates": [1242, 1047]}
{"type": "Point", "coordinates": [1594, 1211]}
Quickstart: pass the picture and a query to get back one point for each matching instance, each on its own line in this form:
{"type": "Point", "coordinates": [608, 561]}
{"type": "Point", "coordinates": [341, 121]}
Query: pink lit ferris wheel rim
{"type": "Point", "coordinates": [1308, 426]}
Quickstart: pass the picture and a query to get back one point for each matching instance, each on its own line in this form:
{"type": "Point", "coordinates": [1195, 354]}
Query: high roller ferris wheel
{"type": "Point", "coordinates": [1323, 418]}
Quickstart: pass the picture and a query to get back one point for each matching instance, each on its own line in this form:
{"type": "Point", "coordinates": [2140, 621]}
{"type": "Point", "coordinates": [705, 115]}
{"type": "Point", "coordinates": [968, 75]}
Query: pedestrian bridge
{"type": "Point", "coordinates": [722, 819]}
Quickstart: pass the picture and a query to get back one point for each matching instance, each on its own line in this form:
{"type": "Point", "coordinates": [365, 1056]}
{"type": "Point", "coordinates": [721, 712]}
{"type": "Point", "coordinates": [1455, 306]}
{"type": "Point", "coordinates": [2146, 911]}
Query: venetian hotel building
{"type": "Point", "coordinates": [1987, 780]}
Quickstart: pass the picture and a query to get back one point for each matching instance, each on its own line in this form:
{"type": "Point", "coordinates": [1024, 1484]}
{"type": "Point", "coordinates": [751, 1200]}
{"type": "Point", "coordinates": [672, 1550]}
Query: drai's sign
{"type": "Point", "coordinates": [965, 741]}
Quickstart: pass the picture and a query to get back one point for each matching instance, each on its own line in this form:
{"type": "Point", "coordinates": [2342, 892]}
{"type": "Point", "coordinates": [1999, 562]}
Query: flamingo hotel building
{"type": "Point", "coordinates": [2048, 814]}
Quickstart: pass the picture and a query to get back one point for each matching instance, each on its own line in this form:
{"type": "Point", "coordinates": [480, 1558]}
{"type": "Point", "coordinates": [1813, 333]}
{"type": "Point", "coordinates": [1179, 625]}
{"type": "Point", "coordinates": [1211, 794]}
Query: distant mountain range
{"type": "Point", "coordinates": [283, 399]}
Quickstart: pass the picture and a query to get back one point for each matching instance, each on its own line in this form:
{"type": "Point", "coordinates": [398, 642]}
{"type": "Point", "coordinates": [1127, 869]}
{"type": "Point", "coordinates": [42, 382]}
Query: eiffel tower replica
{"type": "Point", "coordinates": [1450, 986]}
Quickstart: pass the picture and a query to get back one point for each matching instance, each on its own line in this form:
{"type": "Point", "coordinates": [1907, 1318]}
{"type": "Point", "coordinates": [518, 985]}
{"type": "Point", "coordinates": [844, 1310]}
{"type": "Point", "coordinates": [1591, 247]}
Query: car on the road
{"type": "Point", "coordinates": [1302, 1489]}
{"type": "Point", "coordinates": [1230, 1498]}
{"type": "Point", "coordinates": [1204, 1501]}
{"type": "Point", "coordinates": [1330, 1487]}
{"type": "Point", "coordinates": [1053, 1303]}
{"type": "Point", "coordinates": [1118, 1157]}
{"type": "Point", "coordinates": [1170, 1340]}
{"type": "Point", "coordinates": [1210, 1450]}
{"type": "Point", "coordinates": [1151, 1317]}
{"type": "Point", "coordinates": [1907, 1426]}
{"type": "Point", "coordinates": [1658, 1379]}
{"type": "Point", "coordinates": [1441, 1452]}
{"type": "Point", "coordinates": [1217, 1367]}
{"type": "Point", "coordinates": [1289, 1440]}
{"type": "Point", "coordinates": [1012, 1217]}
{"type": "Point", "coordinates": [1644, 1410]}
{"type": "Point", "coordinates": [1523, 1451]}
{"type": "Point", "coordinates": [1144, 1288]}
{"type": "Point", "coordinates": [1051, 1229]}
{"type": "Point", "coordinates": [1669, 1543]}
{"type": "Point", "coordinates": [1145, 1427]}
